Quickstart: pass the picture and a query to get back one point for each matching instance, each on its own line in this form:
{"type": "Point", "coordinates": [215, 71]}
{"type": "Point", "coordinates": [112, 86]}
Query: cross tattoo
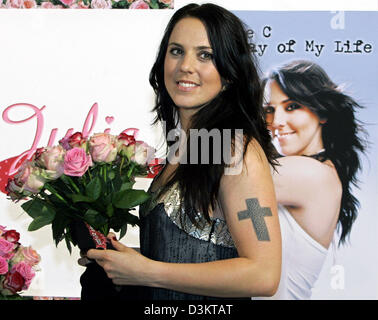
{"type": "Point", "coordinates": [256, 214]}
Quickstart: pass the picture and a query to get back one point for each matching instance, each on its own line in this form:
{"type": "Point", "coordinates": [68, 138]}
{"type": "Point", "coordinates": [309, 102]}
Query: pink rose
{"type": "Point", "coordinates": [13, 283]}
{"type": "Point", "coordinates": [26, 271]}
{"type": "Point", "coordinates": [52, 159]}
{"type": "Point", "coordinates": [27, 254]}
{"type": "Point", "coordinates": [79, 5]}
{"type": "Point", "coordinates": [76, 162]}
{"type": "Point", "coordinates": [3, 266]}
{"type": "Point", "coordinates": [166, 1]}
{"type": "Point", "coordinates": [144, 154]}
{"type": "Point", "coordinates": [47, 5]}
{"type": "Point", "coordinates": [6, 247]}
{"type": "Point", "coordinates": [67, 2]}
{"type": "Point", "coordinates": [16, 4]}
{"type": "Point", "coordinates": [103, 147]}
{"type": "Point", "coordinates": [101, 4]}
{"type": "Point", "coordinates": [139, 4]}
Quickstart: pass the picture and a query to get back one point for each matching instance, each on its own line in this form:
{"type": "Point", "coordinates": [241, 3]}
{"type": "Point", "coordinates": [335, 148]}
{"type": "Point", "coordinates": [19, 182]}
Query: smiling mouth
{"type": "Point", "coordinates": [186, 85]}
{"type": "Point", "coordinates": [282, 135]}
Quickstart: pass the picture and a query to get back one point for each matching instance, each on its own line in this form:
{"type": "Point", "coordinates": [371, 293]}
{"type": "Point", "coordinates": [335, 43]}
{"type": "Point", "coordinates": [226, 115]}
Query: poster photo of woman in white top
{"type": "Point", "coordinates": [318, 138]}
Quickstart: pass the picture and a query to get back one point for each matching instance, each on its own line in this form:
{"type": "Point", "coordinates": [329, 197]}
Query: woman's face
{"type": "Point", "coordinates": [190, 75]}
{"type": "Point", "coordinates": [297, 130]}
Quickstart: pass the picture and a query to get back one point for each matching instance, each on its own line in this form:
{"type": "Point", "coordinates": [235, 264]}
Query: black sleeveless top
{"type": "Point", "coordinates": [168, 235]}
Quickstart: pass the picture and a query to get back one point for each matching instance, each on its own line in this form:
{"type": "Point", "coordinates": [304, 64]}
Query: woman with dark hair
{"type": "Point", "coordinates": [314, 126]}
{"type": "Point", "coordinates": [210, 230]}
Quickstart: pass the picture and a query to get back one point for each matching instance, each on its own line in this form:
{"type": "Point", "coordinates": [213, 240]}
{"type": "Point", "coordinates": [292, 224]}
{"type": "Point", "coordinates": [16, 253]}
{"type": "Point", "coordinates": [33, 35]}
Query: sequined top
{"type": "Point", "coordinates": [168, 235]}
{"type": "Point", "coordinates": [215, 231]}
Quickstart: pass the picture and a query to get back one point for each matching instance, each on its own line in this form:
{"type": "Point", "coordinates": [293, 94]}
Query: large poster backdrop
{"type": "Point", "coordinates": [345, 46]}
{"type": "Point", "coordinates": [63, 62]}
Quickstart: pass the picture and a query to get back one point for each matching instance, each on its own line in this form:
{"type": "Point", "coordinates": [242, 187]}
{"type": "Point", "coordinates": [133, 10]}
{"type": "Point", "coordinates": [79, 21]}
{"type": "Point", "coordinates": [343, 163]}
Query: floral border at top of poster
{"type": "Point", "coordinates": [86, 4]}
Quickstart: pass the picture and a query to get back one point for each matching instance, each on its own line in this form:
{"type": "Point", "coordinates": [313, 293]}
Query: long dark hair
{"type": "Point", "coordinates": [307, 83]}
{"type": "Point", "coordinates": [238, 106]}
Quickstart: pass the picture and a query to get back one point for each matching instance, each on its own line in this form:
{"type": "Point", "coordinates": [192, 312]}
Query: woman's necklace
{"type": "Point", "coordinates": [320, 155]}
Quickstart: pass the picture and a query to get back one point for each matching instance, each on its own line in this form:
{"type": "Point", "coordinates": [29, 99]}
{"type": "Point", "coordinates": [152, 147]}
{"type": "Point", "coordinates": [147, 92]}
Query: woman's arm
{"type": "Point", "coordinates": [249, 205]}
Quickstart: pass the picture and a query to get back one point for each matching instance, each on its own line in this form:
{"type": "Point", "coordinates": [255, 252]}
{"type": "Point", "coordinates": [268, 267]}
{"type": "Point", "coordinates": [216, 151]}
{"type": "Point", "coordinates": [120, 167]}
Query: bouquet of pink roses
{"type": "Point", "coordinates": [84, 182]}
{"type": "Point", "coordinates": [17, 264]}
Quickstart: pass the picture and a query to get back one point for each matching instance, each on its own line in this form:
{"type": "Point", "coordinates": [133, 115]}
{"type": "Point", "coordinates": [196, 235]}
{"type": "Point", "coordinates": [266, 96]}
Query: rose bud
{"type": "Point", "coordinates": [13, 283]}
{"type": "Point", "coordinates": [11, 236]}
{"type": "Point", "coordinates": [126, 145]}
{"type": "Point", "coordinates": [77, 141]}
{"type": "Point", "coordinates": [103, 147]}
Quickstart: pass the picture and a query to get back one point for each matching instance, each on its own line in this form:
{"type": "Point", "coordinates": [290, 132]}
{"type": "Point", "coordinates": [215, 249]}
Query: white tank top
{"type": "Point", "coordinates": [302, 260]}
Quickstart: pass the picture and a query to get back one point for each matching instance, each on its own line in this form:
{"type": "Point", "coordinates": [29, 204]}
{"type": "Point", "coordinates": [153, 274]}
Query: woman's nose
{"type": "Point", "coordinates": [187, 63]}
{"type": "Point", "coordinates": [279, 118]}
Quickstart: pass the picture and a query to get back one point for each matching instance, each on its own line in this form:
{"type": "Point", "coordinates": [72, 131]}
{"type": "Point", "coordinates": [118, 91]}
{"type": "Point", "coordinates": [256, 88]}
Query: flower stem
{"type": "Point", "coordinates": [120, 168]}
{"type": "Point", "coordinates": [55, 193]}
{"type": "Point", "coordinates": [132, 166]}
{"type": "Point", "coordinates": [73, 184]}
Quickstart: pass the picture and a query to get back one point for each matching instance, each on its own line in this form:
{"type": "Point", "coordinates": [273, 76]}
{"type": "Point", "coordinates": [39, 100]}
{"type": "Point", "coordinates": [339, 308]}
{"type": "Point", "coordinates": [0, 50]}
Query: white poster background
{"type": "Point", "coordinates": [67, 60]}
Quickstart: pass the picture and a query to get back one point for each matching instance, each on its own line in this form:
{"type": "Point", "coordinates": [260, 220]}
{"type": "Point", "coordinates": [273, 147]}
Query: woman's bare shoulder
{"type": "Point", "coordinates": [299, 180]}
{"type": "Point", "coordinates": [309, 169]}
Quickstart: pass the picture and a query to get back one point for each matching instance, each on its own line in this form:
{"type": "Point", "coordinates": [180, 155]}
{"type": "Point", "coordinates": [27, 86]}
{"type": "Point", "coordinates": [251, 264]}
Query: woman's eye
{"type": "Point", "coordinates": [204, 55]}
{"type": "Point", "coordinates": [268, 110]}
{"type": "Point", "coordinates": [175, 51]}
{"type": "Point", "coordinates": [293, 106]}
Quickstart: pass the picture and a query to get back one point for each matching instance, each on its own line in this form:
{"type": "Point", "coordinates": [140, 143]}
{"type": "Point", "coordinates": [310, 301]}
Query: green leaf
{"type": "Point", "coordinates": [40, 211]}
{"type": "Point", "coordinates": [123, 231]}
{"type": "Point", "coordinates": [68, 243]}
{"type": "Point", "coordinates": [109, 210]}
{"type": "Point", "coordinates": [127, 199]}
{"type": "Point", "coordinates": [127, 185]}
{"type": "Point", "coordinates": [93, 188]}
{"type": "Point", "coordinates": [81, 198]}
{"type": "Point", "coordinates": [39, 222]}
{"type": "Point", "coordinates": [154, 4]}
{"type": "Point", "coordinates": [111, 175]}
{"type": "Point", "coordinates": [95, 218]}
{"type": "Point", "coordinates": [58, 225]}
{"type": "Point", "coordinates": [132, 219]}
{"type": "Point", "coordinates": [33, 207]}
